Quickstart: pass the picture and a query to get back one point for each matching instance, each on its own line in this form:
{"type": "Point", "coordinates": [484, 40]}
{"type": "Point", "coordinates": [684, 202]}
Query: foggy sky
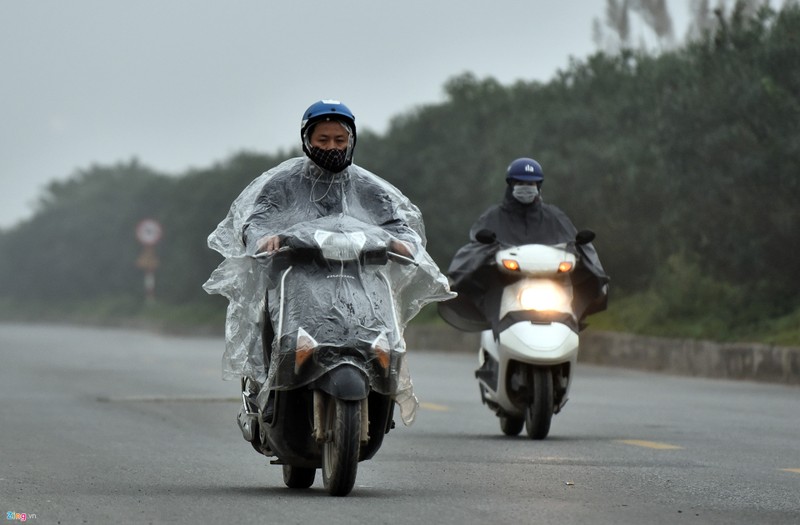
{"type": "Point", "coordinates": [185, 83]}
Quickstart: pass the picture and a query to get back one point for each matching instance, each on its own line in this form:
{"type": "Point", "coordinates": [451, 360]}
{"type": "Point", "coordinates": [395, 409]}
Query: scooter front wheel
{"type": "Point", "coordinates": [539, 412]}
{"type": "Point", "coordinates": [341, 449]}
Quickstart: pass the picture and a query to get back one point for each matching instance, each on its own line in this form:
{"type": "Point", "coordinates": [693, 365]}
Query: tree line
{"type": "Point", "coordinates": [685, 163]}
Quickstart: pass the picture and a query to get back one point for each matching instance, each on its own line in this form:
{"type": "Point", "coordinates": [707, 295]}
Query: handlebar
{"type": "Point", "coordinates": [376, 257]}
{"type": "Point", "coordinates": [489, 237]}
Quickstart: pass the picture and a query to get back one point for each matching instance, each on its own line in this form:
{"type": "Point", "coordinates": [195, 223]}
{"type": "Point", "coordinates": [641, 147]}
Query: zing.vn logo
{"type": "Point", "coordinates": [19, 516]}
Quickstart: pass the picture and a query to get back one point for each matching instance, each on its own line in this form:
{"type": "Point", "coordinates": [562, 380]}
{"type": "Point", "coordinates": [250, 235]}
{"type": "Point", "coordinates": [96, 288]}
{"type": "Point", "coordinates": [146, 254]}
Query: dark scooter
{"type": "Point", "coordinates": [336, 362]}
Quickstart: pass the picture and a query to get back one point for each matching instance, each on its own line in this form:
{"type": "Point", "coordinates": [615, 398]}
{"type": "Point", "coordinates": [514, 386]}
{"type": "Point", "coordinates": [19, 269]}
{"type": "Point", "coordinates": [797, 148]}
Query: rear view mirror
{"type": "Point", "coordinates": [584, 237]}
{"type": "Point", "coordinates": [485, 236]}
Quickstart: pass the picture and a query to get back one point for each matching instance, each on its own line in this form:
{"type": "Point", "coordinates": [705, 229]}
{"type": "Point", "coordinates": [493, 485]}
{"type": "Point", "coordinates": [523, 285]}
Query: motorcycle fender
{"type": "Point", "coordinates": [344, 382]}
{"type": "Point", "coordinates": [545, 343]}
{"type": "Point", "coordinates": [489, 345]}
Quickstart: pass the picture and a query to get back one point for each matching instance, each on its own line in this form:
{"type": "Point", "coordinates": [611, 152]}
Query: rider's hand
{"type": "Point", "coordinates": [268, 243]}
{"type": "Point", "coordinates": [401, 248]}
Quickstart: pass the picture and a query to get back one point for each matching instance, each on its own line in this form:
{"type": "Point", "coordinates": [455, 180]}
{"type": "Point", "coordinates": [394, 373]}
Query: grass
{"type": "Point", "coordinates": [120, 311]}
{"type": "Point", "coordinates": [639, 314]}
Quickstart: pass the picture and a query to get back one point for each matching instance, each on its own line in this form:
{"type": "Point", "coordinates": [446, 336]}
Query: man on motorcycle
{"type": "Point", "coordinates": [322, 183]}
{"type": "Point", "coordinates": [328, 135]}
{"type": "Point", "coordinates": [521, 218]}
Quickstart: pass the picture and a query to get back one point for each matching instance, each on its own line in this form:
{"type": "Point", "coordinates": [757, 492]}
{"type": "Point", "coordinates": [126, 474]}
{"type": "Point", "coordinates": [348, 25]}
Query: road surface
{"type": "Point", "coordinates": [118, 426]}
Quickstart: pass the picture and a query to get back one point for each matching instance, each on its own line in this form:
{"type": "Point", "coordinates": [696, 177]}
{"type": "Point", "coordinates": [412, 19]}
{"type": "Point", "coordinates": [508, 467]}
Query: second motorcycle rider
{"type": "Point", "coordinates": [521, 218]}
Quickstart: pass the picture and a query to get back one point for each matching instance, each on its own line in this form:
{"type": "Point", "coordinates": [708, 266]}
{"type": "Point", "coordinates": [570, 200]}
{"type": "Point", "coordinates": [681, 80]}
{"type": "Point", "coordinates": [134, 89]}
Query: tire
{"type": "Point", "coordinates": [341, 450]}
{"type": "Point", "coordinates": [539, 412]}
{"type": "Point", "coordinates": [511, 426]}
{"type": "Point", "coordinates": [298, 477]}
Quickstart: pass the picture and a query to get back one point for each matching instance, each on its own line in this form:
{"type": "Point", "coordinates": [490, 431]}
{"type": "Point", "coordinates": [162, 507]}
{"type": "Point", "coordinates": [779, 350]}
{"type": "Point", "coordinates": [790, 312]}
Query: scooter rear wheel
{"type": "Point", "coordinates": [298, 477]}
{"type": "Point", "coordinates": [539, 412]}
{"type": "Point", "coordinates": [341, 449]}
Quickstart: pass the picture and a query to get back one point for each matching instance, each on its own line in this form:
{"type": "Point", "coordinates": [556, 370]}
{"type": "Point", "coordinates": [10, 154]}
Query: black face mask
{"type": "Point", "coordinates": [333, 160]}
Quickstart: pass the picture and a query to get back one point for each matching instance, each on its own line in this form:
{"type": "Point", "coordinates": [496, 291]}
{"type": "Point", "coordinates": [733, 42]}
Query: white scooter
{"type": "Point", "coordinates": [525, 373]}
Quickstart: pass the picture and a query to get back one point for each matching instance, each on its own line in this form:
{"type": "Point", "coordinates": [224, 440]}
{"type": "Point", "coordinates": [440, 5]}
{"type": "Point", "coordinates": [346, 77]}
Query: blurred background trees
{"type": "Point", "coordinates": [684, 162]}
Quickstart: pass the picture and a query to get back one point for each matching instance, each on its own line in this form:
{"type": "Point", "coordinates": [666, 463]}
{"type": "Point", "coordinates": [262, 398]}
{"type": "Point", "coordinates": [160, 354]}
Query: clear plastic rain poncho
{"type": "Point", "coordinates": [294, 200]}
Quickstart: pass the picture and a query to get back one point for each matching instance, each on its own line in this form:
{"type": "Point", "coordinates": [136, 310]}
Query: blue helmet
{"type": "Point", "coordinates": [327, 110]}
{"type": "Point", "coordinates": [526, 170]}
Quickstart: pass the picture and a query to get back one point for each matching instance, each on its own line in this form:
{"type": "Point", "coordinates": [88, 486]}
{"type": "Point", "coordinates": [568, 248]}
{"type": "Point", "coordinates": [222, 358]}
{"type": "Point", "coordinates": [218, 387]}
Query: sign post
{"type": "Point", "coordinates": [148, 233]}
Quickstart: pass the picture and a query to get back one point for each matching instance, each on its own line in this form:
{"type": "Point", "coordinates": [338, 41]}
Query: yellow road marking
{"type": "Point", "coordinates": [650, 444]}
{"type": "Point", "coordinates": [795, 470]}
{"type": "Point", "coordinates": [433, 406]}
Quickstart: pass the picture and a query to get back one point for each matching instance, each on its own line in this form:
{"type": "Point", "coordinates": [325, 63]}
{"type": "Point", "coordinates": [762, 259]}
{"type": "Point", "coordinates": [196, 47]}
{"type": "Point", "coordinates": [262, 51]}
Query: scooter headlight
{"type": "Point", "coordinates": [543, 296]}
{"type": "Point", "coordinates": [340, 246]}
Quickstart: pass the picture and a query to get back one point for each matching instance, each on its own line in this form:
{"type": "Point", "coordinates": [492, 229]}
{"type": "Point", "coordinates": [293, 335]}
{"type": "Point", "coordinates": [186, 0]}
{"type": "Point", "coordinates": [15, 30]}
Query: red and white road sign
{"type": "Point", "coordinates": [149, 232]}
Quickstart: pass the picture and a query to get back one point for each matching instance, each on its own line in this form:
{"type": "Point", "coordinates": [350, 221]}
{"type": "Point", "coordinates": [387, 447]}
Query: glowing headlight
{"type": "Point", "coordinates": [543, 295]}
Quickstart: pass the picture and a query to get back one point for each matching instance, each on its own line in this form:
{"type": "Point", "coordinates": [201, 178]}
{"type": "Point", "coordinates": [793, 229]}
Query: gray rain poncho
{"type": "Point", "coordinates": [288, 200]}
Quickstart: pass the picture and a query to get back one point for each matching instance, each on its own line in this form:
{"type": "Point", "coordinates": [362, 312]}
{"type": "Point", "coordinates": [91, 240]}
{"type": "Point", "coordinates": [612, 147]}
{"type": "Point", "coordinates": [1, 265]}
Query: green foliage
{"type": "Point", "coordinates": [639, 313]}
{"type": "Point", "coordinates": [97, 310]}
{"type": "Point", "coordinates": [685, 164]}
{"type": "Point", "coordinates": [81, 243]}
{"type": "Point", "coordinates": [784, 330]}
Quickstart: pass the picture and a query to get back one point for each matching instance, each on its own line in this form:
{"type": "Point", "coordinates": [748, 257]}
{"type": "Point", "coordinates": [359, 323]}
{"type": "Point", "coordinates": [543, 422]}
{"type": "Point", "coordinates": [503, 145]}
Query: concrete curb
{"type": "Point", "coordinates": [690, 357]}
{"type": "Point", "coordinates": [750, 361]}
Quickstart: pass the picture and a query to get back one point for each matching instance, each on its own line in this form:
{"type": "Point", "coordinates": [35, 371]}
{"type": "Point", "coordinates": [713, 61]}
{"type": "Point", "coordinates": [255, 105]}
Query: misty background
{"type": "Point", "coordinates": [676, 143]}
{"type": "Point", "coordinates": [183, 84]}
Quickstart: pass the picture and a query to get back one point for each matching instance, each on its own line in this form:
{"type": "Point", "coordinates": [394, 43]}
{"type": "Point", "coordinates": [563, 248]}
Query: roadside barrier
{"type": "Point", "coordinates": [690, 357]}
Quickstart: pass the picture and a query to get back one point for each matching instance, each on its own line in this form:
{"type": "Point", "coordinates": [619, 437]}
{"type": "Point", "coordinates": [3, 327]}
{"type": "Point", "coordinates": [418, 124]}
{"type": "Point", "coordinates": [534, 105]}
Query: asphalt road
{"type": "Point", "coordinates": [115, 426]}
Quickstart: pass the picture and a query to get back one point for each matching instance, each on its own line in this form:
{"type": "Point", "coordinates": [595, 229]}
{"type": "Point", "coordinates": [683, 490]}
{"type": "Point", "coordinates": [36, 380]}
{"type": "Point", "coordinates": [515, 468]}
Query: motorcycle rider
{"type": "Point", "coordinates": [328, 135]}
{"type": "Point", "coordinates": [521, 218]}
{"type": "Point", "coordinates": [324, 182]}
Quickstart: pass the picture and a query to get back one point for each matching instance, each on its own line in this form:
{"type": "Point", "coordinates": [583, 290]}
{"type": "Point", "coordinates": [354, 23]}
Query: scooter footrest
{"type": "Point", "coordinates": [248, 424]}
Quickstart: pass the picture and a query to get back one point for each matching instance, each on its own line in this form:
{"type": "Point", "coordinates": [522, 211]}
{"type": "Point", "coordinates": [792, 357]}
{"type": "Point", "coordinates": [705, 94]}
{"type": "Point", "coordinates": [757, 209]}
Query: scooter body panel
{"type": "Point", "coordinates": [539, 343]}
{"type": "Point", "coordinates": [529, 344]}
{"type": "Point", "coordinates": [290, 437]}
{"type": "Point", "coordinates": [529, 357]}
